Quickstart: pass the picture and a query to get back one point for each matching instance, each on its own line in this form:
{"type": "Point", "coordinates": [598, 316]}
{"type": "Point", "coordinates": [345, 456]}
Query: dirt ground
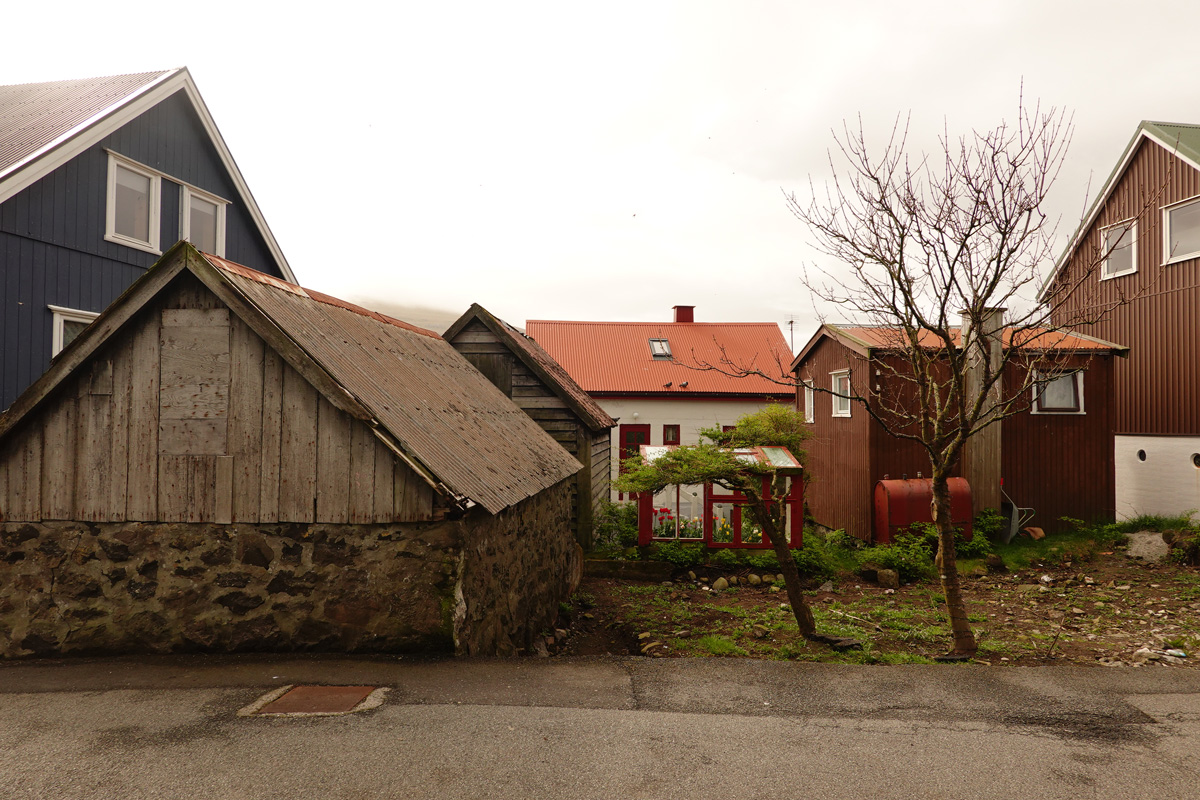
{"type": "Point", "coordinates": [1103, 612]}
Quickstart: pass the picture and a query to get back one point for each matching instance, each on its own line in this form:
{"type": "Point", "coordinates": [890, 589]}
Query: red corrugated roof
{"type": "Point", "coordinates": [615, 358]}
{"type": "Point", "coordinates": [865, 338]}
{"type": "Point", "coordinates": [1033, 338]}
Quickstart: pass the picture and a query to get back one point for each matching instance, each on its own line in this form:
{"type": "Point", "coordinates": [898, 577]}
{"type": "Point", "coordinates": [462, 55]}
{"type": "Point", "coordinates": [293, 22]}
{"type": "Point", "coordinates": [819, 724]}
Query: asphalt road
{"type": "Point", "coordinates": [604, 728]}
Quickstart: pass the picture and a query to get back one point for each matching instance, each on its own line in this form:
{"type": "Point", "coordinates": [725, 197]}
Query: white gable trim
{"type": "Point", "coordinates": [49, 158]}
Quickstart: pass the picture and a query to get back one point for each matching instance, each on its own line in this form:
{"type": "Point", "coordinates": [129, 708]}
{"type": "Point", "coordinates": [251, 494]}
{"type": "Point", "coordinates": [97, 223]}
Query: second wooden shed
{"type": "Point", "coordinates": [521, 369]}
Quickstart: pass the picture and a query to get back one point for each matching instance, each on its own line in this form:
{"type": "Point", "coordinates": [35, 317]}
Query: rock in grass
{"type": "Point", "coordinates": [888, 578]}
{"type": "Point", "coordinates": [719, 584]}
{"type": "Point", "coordinates": [753, 579]}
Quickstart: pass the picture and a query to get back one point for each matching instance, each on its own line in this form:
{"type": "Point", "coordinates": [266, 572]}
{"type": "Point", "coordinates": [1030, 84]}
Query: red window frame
{"type": "Point", "coordinates": [670, 434]}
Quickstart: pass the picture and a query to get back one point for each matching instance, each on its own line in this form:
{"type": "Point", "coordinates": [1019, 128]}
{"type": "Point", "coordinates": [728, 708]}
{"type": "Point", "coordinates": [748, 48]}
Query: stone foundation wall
{"type": "Point", "coordinates": [517, 567]}
{"type": "Point", "coordinates": [102, 588]}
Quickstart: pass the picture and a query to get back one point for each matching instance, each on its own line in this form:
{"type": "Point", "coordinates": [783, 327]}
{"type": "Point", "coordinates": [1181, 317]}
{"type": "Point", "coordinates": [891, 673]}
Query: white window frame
{"type": "Point", "coordinates": [63, 315]}
{"type": "Point", "coordinates": [1040, 377]}
{"type": "Point", "coordinates": [810, 414]}
{"type": "Point", "coordinates": [185, 214]}
{"type": "Point", "coordinates": [837, 396]}
{"type": "Point", "coordinates": [110, 217]}
{"type": "Point", "coordinates": [1168, 256]}
{"type": "Point", "coordinates": [1131, 224]}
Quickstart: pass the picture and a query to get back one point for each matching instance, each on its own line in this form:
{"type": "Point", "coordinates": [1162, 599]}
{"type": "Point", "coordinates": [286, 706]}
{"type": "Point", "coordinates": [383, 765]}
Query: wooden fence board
{"type": "Point", "coordinates": [272, 435]}
{"type": "Point", "coordinates": [173, 488]}
{"type": "Point", "coordinates": [143, 459]}
{"type": "Point", "coordinates": [118, 489]}
{"type": "Point", "coordinates": [298, 449]}
{"type": "Point", "coordinates": [58, 459]}
{"type": "Point", "coordinates": [333, 463]}
{"type": "Point", "coordinates": [246, 403]}
{"type": "Point", "coordinates": [223, 500]}
{"type": "Point", "coordinates": [384, 492]}
{"type": "Point", "coordinates": [362, 473]}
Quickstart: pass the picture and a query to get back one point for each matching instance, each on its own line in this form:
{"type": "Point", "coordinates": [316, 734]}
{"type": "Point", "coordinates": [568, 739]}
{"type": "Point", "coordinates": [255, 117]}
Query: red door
{"type": "Point", "coordinates": [632, 437]}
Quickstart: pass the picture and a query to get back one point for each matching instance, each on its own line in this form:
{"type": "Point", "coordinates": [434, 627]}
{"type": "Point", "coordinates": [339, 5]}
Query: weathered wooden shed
{"type": "Point", "coordinates": [226, 461]}
{"type": "Point", "coordinates": [543, 389]}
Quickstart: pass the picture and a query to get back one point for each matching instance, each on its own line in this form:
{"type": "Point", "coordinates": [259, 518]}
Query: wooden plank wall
{"type": "Point", "coordinates": [479, 345]}
{"type": "Point", "coordinates": [188, 416]}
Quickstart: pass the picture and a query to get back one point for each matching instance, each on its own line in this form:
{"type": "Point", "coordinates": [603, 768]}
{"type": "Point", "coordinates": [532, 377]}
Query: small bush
{"type": "Point", "coordinates": [826, 556]}
{"type": "Point", "coordinates": [724, 558]}
{"type": "Point", "coordinates": [681, 556]}
{"type": "Point", "coordinates": [1185, 547]}
{"type": "Point", "coordinates": [616, 525]}
{"type": "Point", "coordinates": [910, 555]}
{"type": "Point", "coordinates": [762, 559]}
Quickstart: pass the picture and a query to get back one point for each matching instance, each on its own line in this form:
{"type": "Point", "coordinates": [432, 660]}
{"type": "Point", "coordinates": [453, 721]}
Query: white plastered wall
{"type": "Point", "coordinates": [1166, 482]}
{"type": "Point", "coordinates": [690, 414]}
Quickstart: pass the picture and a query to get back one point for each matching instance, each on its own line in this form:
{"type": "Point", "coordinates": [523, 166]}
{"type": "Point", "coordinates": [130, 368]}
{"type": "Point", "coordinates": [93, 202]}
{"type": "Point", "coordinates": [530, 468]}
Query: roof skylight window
{"type": "Point", "coordinates": [660, 348]}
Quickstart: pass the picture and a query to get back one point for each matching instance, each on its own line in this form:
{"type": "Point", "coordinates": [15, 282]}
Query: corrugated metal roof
{"type": "Point", "coordinates": [1030, 338]}
{"type": "Point", "coordinates": [538, 360]}
{"type": "Point", "coordinates": [865, 338]}
{"type": "Point", "coordinates": [442, 410]}
{"type": "Point", "coordinates": [35, 115]}
{"type": "Point", "coordinates": [615, 357]}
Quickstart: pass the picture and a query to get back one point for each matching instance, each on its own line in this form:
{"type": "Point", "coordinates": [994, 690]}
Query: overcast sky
{"type": "Point", "coordinates": [572, 160]}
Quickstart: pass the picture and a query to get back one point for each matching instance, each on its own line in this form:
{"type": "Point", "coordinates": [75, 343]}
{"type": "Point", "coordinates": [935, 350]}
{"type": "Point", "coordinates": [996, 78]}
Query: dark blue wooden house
{"type": "Point", "coordinates": [97, 178]}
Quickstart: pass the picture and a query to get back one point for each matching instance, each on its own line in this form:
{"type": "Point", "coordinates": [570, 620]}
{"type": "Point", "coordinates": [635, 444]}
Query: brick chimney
{"type": "Point", "coordinates": [684, 313]}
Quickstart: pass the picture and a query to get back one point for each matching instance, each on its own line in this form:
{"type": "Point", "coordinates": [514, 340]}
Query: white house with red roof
{"type": "Point", "coordinates": [649, 376]}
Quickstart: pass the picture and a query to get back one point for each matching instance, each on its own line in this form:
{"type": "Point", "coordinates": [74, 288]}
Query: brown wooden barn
{"type": "Point", "coordinates": [543, 389]}
{"type": "Point", "coordinates": [1056, 460]}
{"type": "Point", "coordinates": [225, 461]}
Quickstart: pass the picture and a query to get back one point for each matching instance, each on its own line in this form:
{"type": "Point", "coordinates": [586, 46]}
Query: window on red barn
{"type": "Point", "coordinates": [670, 434]}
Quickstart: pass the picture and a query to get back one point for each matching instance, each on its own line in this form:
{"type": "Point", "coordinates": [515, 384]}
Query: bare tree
{"type": "Point", "coordinates": [938, 249]}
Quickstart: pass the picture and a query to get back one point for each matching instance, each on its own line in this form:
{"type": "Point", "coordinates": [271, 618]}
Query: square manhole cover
{"type": "Point", "coordinates": [316, 700]}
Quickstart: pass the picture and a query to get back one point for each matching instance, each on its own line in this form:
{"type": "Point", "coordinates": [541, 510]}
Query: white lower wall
{"type": "Point", "coordinates": [689, 414]}
{"type": "Point", "coordinates": [1166, 482]}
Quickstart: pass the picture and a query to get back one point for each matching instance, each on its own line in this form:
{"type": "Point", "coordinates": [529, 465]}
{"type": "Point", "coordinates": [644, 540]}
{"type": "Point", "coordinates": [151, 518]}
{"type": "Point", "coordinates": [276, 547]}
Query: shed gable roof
{"type": "Point", "coordinates": [866, 339]}
{"type": "Point", "coordinates": [540, 363]}
{"type": "Point", "coordinates": [44, 125]}
{"type": "Point", "coordinates": [615, 357]}
{"type": "Point", "coordinates": [417, 393]}
{"type": "Point", "coordinates": [1182, 139]}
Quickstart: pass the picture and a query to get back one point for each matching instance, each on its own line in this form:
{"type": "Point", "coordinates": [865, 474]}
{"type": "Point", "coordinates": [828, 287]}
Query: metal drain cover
{"type": "Point", "coordinates": [316, 700]}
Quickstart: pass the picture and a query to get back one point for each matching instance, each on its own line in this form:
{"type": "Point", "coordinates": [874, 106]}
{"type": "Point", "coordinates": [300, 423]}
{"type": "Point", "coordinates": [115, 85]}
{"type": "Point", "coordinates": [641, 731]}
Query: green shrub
{"type": "Point", "coordinates": [616, 525]}
{"type": "Point", "coordinates": [826, 555]}
{"type": "Point", "coordinates": [910, 554]}
{"type": "Point", "coordinates": [990, 524]}
{"type": "Point", "coordinates": [681, 556]}
{"type": "Point", "coordinates": [1185, 547]}
{"type": "Point", "coordinates": [761, 559]}
{"type": "Point", "coordinates": [724, 558]}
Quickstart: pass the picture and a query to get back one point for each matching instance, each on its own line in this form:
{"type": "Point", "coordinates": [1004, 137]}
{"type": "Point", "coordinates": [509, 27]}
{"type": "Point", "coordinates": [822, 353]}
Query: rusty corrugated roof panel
{"type": "Point", "coordinates": [442, 410]}
{"type": "Point", "coordinates": [615, 357]}
{"type": "Point", "coordinates": [33, 116]}
{"type": "Point", "coordinates": [1030, 338]}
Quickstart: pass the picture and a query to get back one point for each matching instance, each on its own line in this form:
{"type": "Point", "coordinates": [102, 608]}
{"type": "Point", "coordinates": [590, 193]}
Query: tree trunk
{"type": "Point", "coordinates": [787, 566]}
{"type": "Point", "coordinates": [947, 564]}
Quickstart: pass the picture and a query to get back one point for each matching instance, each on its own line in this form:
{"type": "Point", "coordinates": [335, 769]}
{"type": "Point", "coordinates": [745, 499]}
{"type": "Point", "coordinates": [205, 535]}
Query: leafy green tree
{"type": "Point", "coordinates": [713, 461]}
